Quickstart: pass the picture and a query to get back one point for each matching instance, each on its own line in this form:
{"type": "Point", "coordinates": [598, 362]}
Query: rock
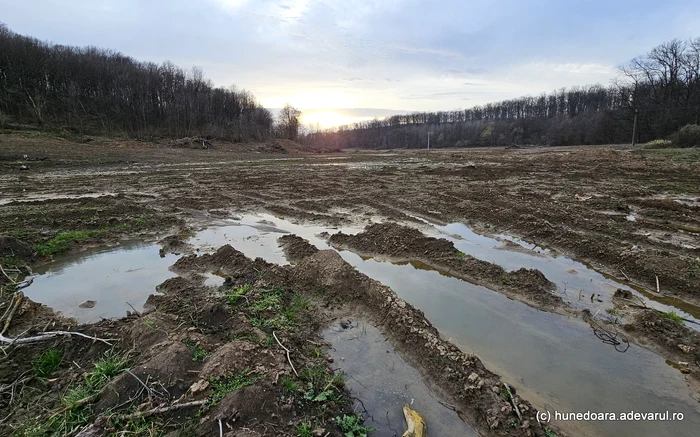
{"type": "Point", "coordinates": [684, 348]}
{"type": "Point", "coordinates": [495, 389]}
{"type": "Point", "coordinates": [319, 432]}
{"type": "Point", "coordinates": [199, 386]}
{"type": "Point", "coordinates": [330, 359]}
{"type": "Point", "coordinates": [88, 304]}
{"type": "Point", "coordinates": [473, 377]}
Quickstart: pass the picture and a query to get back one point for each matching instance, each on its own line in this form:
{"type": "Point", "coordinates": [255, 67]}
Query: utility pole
{"type": "Point", "coordinates": [634, 127]}
{"type": "Point", "coordinates": [428, 140]}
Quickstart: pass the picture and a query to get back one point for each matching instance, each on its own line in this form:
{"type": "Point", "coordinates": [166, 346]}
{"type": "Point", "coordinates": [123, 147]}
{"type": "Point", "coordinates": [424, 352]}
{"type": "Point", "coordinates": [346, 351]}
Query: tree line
{"type": "Point", "coordinates": [89, 90]}
{"type": "Point", "coordinates": [662, 88]}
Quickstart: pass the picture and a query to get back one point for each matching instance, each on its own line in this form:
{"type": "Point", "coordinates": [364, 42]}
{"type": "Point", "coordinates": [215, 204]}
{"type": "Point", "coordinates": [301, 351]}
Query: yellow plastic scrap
{"type": "Point", "coordinates": [415, 423]}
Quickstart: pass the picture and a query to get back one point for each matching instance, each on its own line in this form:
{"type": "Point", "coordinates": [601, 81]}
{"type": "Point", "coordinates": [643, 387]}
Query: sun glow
{"type": "Point", "coordinates": [324, 119]}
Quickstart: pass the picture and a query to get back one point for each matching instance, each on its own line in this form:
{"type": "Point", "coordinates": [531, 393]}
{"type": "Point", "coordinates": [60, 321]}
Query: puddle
{"type": "Point", "coordinates": [573, 279]}
{"type": "Point", "coordinates": [385, 382]}
{"type": "Point", "coordinates": [551, 359]}
{"type": "Point", "coordinates": [214, 280]}
{"type": "Point", "coordinates": [109, 277]}
{"type": "Point", "coordinates": [256, 236]}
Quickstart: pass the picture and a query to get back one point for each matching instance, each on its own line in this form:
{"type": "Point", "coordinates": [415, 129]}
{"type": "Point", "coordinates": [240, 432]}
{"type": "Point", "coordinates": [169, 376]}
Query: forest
{"type": "Point", "coordinates": [90, 90]}
{"type": "Point", "coordinates": [662, 88]}
{"type": "Point", "coordinates": [96, 91]}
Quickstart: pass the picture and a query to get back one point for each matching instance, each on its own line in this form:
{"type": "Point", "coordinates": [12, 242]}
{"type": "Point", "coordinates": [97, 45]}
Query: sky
{"type": "Point", "coordinates": [341, 61]}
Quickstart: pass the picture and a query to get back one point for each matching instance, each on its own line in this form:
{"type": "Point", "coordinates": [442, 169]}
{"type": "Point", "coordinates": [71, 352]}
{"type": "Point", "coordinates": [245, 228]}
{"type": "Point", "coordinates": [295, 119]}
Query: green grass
{"type": "Point", "coordinates": [61, 242]}
{"type": "Point", "coordinates": [229, 383]}
{"type": "Point", "coordinates": [318, 384]}
{"type": "Point", "coordinates": [198, 352]}
{"type": "Point", "coordinates": [304, 430]}
{"type": "Point", "coordinates": [249, 336]}
{"type": "Point", "coordinates": [47, 363]}
{"type": "Point", "coordinates": [352, 426]}
{"type": "Point", "coordinates": [461, 254]}
{"type": "Point", "coordinates": [234, 295]}
{"type": "Point", "coordinates": [76, 404]}
{"type": "Point", "coordinates": [671, 315]}
{"type": "Point", "coordinates": [550, 433]}
{"type": "Point", "coordinates": [289, 384]}
{"type": "Point", "coordinates": [273, 308]}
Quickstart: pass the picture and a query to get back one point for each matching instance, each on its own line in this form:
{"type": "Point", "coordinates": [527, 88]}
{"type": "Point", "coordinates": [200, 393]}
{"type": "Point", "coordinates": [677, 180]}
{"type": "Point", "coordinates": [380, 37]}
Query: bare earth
{"type": "Point", "coordinates": [632, 215]}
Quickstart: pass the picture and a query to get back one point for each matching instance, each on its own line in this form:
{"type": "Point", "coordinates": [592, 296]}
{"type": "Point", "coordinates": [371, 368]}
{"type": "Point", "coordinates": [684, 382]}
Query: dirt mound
{"type": "Point", "coordinates": [296, 248]}
{"type": "Point", "coordinates": [463, 378]}
{"type": "Point", "coordinates": [403, 243]}
{"type": "Point", "coordinates": [191, 143]}
{"type": "Point", "coordinates": [673, 336]}
{"type": "Point", "coordinates": [11, 247]}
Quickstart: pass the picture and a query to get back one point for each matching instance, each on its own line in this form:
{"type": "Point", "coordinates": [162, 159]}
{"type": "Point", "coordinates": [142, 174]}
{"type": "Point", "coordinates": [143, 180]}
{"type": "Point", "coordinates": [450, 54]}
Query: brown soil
{"type": "Point", "coordinates": [147, 190]}
{"type": "Point", "coordinates": [402, 243]}
{"type": "Point", "coordinates": [461, 378]}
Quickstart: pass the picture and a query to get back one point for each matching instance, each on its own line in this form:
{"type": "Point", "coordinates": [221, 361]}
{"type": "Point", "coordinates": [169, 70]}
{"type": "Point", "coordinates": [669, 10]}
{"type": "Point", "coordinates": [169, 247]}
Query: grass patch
{"type": "Point", "coordinates": [289, 384]}
{"type": "Point", "coordinates": [76, 404]}
{"type": "Point", "coordinates": [304, 430]}
{"type": "Point", "coordinates": [198, 352]}
{"type": "Point", "coordinates": [234, 295]}
{"type": "Point", "coordinates": [318, 382]}
{"type": "Point", "coordinates": [272, 308]}
{"type": "Point", "coordinates": [672, 315]}
{"type": "Point", "coordinates": [61, 242]}
{"type": "Point", "coordinates": [461, 255]}
{"type": "Point", "coordinates": [352, 426]}
{"type": "Point", "coordinates": [47, 363]}
{"type": "Point", "coordinates": [227, 384]}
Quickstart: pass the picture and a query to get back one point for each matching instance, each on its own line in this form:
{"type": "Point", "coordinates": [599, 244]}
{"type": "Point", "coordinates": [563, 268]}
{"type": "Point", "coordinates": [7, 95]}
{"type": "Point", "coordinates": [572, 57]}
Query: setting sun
{"type": "Point", "coordinates": [324, 119]}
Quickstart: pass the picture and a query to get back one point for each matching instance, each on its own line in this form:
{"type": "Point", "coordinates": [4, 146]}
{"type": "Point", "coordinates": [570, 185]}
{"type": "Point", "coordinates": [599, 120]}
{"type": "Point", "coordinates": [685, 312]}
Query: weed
{"type": "Point", "coordinates": [237, 292]}
{"type": "Point", "coordinates": [289, 384]}
{"type": "Point", "coordinates": [317, 352]}
{"type": "Point", "coordinates": [504, 392]}
{"type": "Point", "coordinates": [318, 384]}
{"type": "Point", "coordinates": [506, 280]}
{"type": "Point", "coordinates": [46, 363]}
{"type": "Point", "coordinates": [694, 270]}
{"type": "Point", "coordinates": [61, 242]}
{"type": "Point", "coordinates": [673, 316]}
{"type": "Point", "coordinates": [106, 368]}
{"type": "Point", "coordinates": [461, 254]}
{"type": "Point", "coordinates": [227, 384]}
{"type": "Point", "coordinates": [198, 352]}
{"type": "Point", "coordinates": [150, 324]}
{"type": "Point", "coordinates": [268, 341]}
{"type": "Point", "coordinates": [304, 430]}
{"type": "Point", "coordinates": [250, 336]}
{"type": "Point", "coordinates": [612, 311]}
{"type": "Point", "coordinates": [352, 426]}
{"type": "Point", "coordinates": [550, 433]}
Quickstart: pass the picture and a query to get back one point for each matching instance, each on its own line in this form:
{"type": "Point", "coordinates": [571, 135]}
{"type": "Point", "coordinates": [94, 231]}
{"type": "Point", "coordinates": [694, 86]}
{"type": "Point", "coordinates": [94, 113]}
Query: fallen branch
{"type": "Point", "coordinates": [10, 279]}
{"type": "Point", "coordinates": [658, 290]}
{"type": "Point", "coordinates": [512, 401]}
{"type": "Point", "coordinates": [221, 428]}
{"type": "Point", "coordinates": [165, 409]}
{"type": "Point", "coordinates": [48, 336]}
{"type": "Point", "coordinates": [16, 303]}
{"type": "Point", "coordinates": [287, 350]}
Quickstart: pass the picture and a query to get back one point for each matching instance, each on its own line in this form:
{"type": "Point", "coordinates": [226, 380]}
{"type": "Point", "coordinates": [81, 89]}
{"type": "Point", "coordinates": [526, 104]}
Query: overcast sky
{"type": "Point", "coordinates": [383, 54]}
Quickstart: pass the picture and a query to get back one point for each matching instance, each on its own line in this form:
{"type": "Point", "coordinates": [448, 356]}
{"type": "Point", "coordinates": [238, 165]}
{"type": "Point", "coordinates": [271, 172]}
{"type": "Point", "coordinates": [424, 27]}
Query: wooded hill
{"type": "Point", "coordinates": [662, 87]}
{"type": "Point", "coordinates": [90, 90]}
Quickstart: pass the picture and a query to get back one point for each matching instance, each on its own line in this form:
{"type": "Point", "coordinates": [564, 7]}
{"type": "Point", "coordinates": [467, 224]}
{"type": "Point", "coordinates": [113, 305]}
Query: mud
{"type": "Point", "coordinates": [112, 190]}
{"type": "Point", "coordinates": [402, 243]}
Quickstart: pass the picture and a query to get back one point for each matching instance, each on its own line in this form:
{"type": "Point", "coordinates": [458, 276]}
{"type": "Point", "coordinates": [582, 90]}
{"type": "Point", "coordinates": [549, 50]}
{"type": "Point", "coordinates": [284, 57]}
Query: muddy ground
{"type": "Point", "coordinates": [633, 215]}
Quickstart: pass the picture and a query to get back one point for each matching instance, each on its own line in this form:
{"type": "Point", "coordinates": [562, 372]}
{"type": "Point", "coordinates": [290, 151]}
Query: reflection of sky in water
{"type": "Point", "coordinates": [555, 357]}
{"type": "Point", "coordinates": [551, 357]}
{"type": "Point", "coordinates": [384, 382]}
{"type": "Point", "coordinates": [570, 276]}
{"type": "Point", "coordinates": [111, 277]}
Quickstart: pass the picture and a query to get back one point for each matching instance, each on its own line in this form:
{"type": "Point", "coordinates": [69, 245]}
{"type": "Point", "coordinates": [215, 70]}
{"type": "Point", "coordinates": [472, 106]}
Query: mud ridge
{"type": "Point", "coordinates": [459, 377]}
{"type": "Point", "coordinates": [402, 243]}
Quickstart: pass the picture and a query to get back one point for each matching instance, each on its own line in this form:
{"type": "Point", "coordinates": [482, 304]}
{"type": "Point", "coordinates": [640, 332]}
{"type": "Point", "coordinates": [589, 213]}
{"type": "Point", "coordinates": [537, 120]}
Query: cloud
{"type": "Point", "coordinates": [404, 54]}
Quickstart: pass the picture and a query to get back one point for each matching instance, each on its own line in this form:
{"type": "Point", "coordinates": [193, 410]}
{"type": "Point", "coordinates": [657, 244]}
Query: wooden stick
{"type": "Point", "coordinates": [10, 279]}
{"type": "Point", "coordinates": [16, 303]}
{"type": "Point", "coordinates": [658, 290]}
{"type": "Point", "coordinates": [165, 409]}
{"type": "Point", "coordinates": [221, 428]}
{"type": "Point", "coordinates": [287, 350]}
{"type": "Point", "coordinates": [48, 336]}
{"type": "Point", "coordinates": [512, 401]}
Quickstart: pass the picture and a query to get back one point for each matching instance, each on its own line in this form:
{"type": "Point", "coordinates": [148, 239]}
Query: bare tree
{"type": "Point", "coordinates": [288, 120]}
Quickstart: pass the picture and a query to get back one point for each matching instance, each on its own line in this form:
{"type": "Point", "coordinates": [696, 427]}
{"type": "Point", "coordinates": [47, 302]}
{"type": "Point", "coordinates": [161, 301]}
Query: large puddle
{"type": "Point", "coordinates": [101, 283]}
{"type": "Point", "coordinates": [556, 362]}
{"type": "Point", "coordinates": [576, 282]}
{"type": "Point", "coordinates": [384, 382]}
